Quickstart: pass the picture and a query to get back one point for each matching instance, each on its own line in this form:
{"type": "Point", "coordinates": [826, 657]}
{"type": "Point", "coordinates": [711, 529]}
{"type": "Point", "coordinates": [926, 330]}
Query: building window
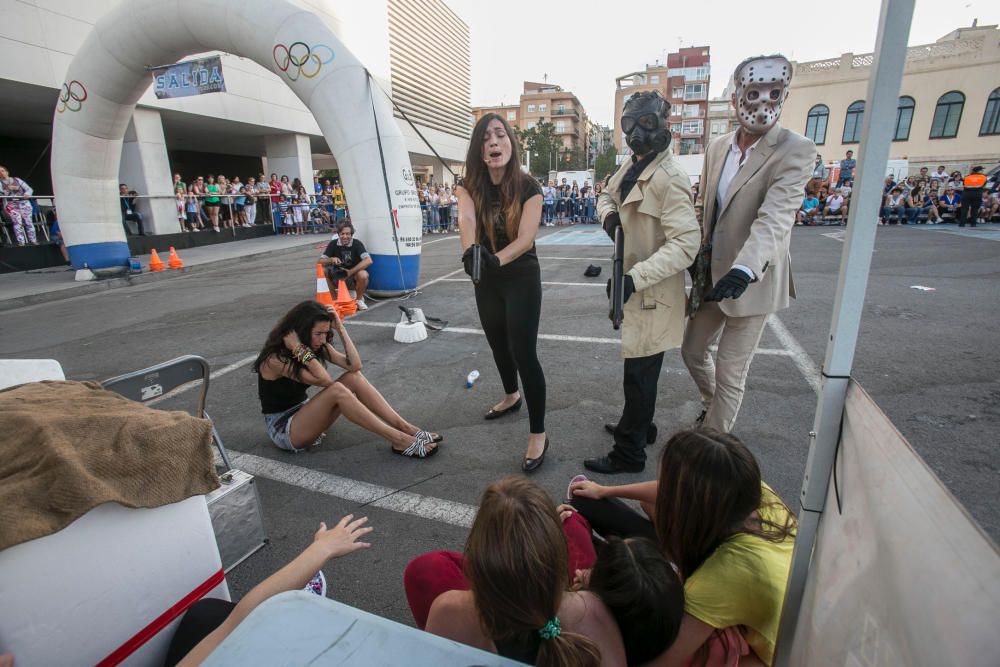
{"type": "Point", "coordinates": [541, 108]}
{"type": "Point", "coordinates": [947, 115]}
{"type": "Point", "coordinates": [692, 127]}
{"type": "Point", "coordinates": [562, 108]}
{"type": "Point", "coordinates": [692, 111]}
{"type": "Point", "coordinates": [991, 118]}
{"type": "Point", "coordinates": [654, 79]}
{"type": "Point", "coordinates": [531, 124]}
{"type": "Point", "coordinates": [531, 108]}
{"type": "Point", "coordinates": [675, 128]}
{"type": "Point", "coordinates": [852, 123]}
{"type": "Point", "coordinates": [511, 115]}
{"type": "Point", "coordinates": [695, 91]}
{"type": "Point", "coordinates": [678, 93]}
{"type": "Point", "coordinates": [816, 122]}
{"type": "Point", "coordinates": [560, 126]}
{"type": "Point", "coordinates": [904, 118]}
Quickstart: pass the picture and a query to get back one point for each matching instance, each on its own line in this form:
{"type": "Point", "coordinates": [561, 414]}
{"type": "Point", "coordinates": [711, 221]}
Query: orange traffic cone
{"type": "Point", "coordinates": [174, 262]}
{"type": "Point", "coordinates": [155, 263]}
{"type": "Point", "coordinates": [345, 305]}
{"type": "Point", "coordinates": [322, 287]}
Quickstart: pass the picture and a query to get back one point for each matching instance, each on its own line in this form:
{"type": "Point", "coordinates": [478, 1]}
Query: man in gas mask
{"type": "Point", "coordinates": [650, 197]}
{"type": "Point", "coordinates": [752, 185]}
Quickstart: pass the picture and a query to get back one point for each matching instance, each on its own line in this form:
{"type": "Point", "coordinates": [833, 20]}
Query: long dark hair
{"type": "Point", "coordinates": [477, 182]}
{"type": "Point", "coordinates": [301, 319]}
{"type": "Point", "coordinates": [709, 485]}
{"type": "Point", "coordinates": [643, 593]}
{"type": "Point", "coordinates": [517, 565]}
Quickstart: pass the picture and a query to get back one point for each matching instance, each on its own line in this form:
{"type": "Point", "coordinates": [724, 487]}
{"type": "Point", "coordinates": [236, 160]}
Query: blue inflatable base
{"type": "Point", "coordinates": [384, 274]}
{"type": "Point", "coordinates": [99, 255]}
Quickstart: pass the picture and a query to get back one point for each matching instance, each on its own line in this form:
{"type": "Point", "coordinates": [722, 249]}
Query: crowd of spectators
{"type": "Point", "coordinates": [940, 197]}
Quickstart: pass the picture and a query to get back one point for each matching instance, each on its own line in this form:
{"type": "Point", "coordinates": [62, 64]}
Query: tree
{"type": "Point", "coordinates": [573, 159]}
{"type": "Point", "coordinates": [605, 164]}
{"type": "Point", "coordinates": [542, 142]}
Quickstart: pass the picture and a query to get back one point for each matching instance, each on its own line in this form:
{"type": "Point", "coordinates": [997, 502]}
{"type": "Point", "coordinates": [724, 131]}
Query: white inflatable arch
{"type": "Point", "coordinates": [107, 77]}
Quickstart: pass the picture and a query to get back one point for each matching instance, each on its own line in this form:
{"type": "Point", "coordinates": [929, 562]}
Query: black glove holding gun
{"type": "Point", "coordinates": [476, 259]}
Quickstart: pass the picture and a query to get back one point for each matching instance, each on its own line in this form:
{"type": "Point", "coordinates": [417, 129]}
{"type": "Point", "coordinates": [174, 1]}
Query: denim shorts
{"type": "Point", "coordinates": [279, 428]}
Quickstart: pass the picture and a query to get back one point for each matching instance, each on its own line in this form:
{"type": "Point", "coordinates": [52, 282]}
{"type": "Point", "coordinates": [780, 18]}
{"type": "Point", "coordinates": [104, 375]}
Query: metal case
{"type": "Point", "coordinates": [236, 517]}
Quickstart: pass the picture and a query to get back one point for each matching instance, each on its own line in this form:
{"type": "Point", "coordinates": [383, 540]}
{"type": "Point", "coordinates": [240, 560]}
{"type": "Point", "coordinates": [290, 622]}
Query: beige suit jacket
{"type": "Point", "coordinates": [661, 240]}
{"type": "Point", "coordinates": [754, 223]}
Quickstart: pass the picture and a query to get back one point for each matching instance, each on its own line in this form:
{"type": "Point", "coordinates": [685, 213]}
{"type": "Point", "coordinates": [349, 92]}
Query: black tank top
{"type": "Point", "coordinates": [279, 395]}
{"type": "Point", "coordinates": [524, 649]}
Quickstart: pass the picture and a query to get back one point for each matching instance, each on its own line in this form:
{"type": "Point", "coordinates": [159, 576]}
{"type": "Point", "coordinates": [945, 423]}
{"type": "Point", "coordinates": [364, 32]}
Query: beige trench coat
{"type": "Point", "coordinates": [661, 239]}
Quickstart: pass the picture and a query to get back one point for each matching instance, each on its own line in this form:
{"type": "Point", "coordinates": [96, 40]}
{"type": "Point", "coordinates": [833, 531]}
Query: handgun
{"type": "Point", "coordinates": [617, 280]}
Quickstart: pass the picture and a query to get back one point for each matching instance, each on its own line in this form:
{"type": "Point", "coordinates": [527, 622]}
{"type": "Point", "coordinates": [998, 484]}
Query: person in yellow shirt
{"type": "Point", "coordinates": [729, 535]}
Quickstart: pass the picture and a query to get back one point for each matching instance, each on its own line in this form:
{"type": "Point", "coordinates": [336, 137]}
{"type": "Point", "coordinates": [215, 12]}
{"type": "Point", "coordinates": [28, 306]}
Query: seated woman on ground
{"type": "Point", "coordinates": [209, 621]}
{"type": "Point", "coordinates": [292, 360]}
{"type": "Point", "coordinates": [729, 535]}
{"type": "Point", "coordinates": [508, 593]}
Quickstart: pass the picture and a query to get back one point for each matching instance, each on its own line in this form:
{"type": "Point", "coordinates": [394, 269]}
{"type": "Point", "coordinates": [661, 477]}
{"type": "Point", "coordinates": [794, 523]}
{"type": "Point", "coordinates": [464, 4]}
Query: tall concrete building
{"type": "Point", "coordinates": [948, 111]}
{"type": "Point", "coordinates": [683, 80]}
{"type": "Point", "coordinates": [258, 123]}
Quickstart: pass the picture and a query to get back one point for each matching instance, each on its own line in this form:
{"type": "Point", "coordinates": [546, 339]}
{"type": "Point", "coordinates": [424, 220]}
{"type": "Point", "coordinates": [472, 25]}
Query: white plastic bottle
{"type": "Point", "coordinates": [471, 380]}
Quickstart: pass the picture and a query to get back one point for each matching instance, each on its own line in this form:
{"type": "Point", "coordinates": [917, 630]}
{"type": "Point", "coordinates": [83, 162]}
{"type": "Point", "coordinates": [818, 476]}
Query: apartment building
{"type": "Point", "coordinates": [683, 80]}
{"type": "Point", "coordinates": [550, 103]}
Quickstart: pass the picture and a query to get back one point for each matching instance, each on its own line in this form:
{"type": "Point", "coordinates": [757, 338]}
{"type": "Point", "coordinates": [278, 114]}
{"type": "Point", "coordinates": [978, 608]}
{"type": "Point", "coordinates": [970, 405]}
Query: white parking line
{"type": "Point", "coordinates": [363, 493]}
{"type": "Point", "coordinates": [798, 354]}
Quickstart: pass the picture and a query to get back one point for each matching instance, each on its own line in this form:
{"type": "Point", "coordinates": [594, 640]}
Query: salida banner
{"type": "Point", "coordinates": [192, 77]}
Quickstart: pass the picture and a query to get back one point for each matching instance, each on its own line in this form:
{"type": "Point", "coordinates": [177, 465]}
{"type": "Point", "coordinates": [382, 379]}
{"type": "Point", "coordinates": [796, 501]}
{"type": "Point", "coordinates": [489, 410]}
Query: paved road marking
{"type": "Point", "coordinates": [363, 493]}
{"type": "Point", "coordinates": [798, 354]}
{"type": "Point", "coordinates": [836, 236]}
{"type": "Point", "coordinates": [447, 238]}
{"type": "Point", "coordinates": [556, 337]}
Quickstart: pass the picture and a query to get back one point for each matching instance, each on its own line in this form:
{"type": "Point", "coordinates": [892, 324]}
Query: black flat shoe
{"type": "Point", "coordinates": [496, 414]}
{"type": "Point", "coordinates": [530, 465]}
{"type": "Point", "coordinates": [650, 434]}
{"type": "Point", "coordinates": [610, 466]}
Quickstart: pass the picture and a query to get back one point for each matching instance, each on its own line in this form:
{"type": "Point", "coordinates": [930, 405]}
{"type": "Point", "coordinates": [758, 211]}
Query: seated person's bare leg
{"type": "Point", "coordinates": [360, 283]}
{"type": "Point", "coordinates": [374, 401]}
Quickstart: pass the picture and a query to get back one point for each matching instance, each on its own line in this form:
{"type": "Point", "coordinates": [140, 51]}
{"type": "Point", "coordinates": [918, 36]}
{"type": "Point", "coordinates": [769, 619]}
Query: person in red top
{"type": "Point", "coordinates": [972, 197]}
{"type": "Point", "coordinates": [274, 185]}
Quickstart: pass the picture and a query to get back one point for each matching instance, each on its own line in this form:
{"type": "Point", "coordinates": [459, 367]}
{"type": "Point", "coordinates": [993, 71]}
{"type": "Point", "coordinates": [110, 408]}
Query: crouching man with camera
{"type": "Point", "coordinates": [346, 258]}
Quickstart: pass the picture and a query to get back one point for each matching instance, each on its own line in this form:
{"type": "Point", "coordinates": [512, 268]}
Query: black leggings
{"type": "Point", "coordinates": [198, 622]}
{"type": "Point", "coordinates": [510, 303]}
{"type": "Point", "coordinates": [612, 516]}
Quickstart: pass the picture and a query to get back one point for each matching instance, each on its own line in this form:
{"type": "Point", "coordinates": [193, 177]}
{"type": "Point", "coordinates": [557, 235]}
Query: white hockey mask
{"type": "Point", "coordinates": [761, 89]}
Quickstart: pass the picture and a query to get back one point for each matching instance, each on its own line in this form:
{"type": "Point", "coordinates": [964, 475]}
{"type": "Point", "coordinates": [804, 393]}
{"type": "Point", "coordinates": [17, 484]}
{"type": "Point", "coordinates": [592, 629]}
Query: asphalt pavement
{"type": "Point", "coordinates": [926, 354]}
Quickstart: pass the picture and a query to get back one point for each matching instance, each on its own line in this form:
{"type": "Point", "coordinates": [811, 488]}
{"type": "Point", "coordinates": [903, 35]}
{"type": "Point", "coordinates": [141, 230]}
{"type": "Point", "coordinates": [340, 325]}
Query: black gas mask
{"type": "Point", "coordinates": [644, 122]}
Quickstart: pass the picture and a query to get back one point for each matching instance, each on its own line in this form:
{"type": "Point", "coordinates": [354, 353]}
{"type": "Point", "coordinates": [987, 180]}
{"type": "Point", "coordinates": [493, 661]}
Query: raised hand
{"type": "Point", "coordinates": [343, 538]}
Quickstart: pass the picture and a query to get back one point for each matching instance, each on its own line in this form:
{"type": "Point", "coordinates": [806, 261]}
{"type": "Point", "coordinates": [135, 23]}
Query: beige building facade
{"type": "Point", "coordinates": [949, 102]}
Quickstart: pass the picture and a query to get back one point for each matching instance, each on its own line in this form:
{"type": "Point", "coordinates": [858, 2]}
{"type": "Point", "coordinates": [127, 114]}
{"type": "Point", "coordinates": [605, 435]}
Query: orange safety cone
{"type": "Point", "coordinates": [174, 262]}
{"type": "Point", "coordinates": [323, 288]}
{"type": "Point", "coordinates": [345, 305]}
{"type": "Point", "coordinates": [155, 263]}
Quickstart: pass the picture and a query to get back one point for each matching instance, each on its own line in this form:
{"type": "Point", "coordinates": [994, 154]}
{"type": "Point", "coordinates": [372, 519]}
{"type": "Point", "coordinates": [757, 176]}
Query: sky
{"type": "Point", "coordinates": [584, 46]}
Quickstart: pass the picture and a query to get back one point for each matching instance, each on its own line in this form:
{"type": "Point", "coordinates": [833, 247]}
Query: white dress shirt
{"type": "Point", "coordinates": [735, 159]}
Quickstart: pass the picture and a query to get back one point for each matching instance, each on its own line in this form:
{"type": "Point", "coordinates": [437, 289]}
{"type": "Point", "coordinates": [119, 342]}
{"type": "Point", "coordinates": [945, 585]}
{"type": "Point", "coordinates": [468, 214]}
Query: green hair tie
{"type": "Point", "coordinates": [551, 629]}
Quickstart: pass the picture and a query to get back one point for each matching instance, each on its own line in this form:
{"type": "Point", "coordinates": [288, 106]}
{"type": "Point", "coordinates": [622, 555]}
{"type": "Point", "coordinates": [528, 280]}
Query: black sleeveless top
{"type": "Point", "coordinates": [279, 395]}
{"type": "Point", "coordinates": [523, 650]}
{"type": "Point", "coordinates": [499, 216]}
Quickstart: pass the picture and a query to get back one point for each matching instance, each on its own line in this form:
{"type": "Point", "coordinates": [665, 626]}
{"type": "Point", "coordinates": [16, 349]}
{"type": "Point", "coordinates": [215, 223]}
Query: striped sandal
{"type": "Point", "coordinates": [428, 436]}
{"type": "Point", "coordinates": [417, 450]}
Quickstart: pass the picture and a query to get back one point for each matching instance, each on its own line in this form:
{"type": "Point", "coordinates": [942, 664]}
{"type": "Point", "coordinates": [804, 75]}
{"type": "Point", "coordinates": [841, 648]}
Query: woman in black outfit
{"type": "Point", "coordinates": [500, 208]}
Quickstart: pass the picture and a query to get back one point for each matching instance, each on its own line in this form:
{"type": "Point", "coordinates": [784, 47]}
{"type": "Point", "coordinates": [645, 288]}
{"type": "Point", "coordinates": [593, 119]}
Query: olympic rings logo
{"type": "Point", "coordinates": [71, 96]}
{"type": "Point", "coordinates": [299, 59]}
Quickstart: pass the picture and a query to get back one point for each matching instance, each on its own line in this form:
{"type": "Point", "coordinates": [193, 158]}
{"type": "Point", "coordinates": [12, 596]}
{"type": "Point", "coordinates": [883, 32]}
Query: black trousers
{"type": "Point", "coordinates": [971, 201]}
{"type": "Point", "coordinates": [132, 217]}
{"type": "Point", "coordinates": [198, 622]}
{"type": "Point", "coordinates": [509, 301]}
{"type": "Point", "coordinates": [640, 379]}
{"type": "Point", "coordinates": [612, 516]}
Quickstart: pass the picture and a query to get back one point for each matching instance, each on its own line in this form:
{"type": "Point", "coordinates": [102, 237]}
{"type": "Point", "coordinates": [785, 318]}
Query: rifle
{"type": "Point", "coordinates": [477, 263]}
{"type": "Point", "coordinates": [617, 280]}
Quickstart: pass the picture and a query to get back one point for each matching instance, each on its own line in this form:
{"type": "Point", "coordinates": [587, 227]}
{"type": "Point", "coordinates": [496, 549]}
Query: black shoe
{"type": "Point", "coordinates": [650, 434]}
{"type": "Point", "coordinates": [529, 465]}
{"type": "Point", "coordinates": [610, 466]}
{"type": "Point", "coordinates": [496, 414]}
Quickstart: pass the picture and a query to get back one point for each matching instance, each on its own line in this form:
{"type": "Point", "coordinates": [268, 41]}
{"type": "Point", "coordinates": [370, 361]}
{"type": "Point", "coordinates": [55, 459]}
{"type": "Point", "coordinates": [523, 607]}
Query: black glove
{"type": "Point", "coordinates": [731, 286]}
{"type": "Point", "coordinates": [490, 261]}
{"type": "Point", "coordinates": [467, 260]}
{"type": "Point", "coordinates": [628, 288]}
{"type": "Point", "coordinates": [611, 222]}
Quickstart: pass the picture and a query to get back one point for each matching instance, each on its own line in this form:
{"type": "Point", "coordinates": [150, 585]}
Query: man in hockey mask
{"type": "Point", "coordinates": [650, 198]}
{"type": "Point", "coordinates": [752, 185]}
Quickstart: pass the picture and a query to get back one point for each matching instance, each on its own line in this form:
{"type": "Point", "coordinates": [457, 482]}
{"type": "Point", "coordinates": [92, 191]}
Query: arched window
{"type": "Point", "coordinates": [853, 122]}
{"type": "Point", "coordinates": [991, 117]}
{"type": "Point", "coordinates": [904, 118]}
{"type": "Point", "coordinates": [816, 123]}
{"type": "Point", "coordinates": [947, 115]}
